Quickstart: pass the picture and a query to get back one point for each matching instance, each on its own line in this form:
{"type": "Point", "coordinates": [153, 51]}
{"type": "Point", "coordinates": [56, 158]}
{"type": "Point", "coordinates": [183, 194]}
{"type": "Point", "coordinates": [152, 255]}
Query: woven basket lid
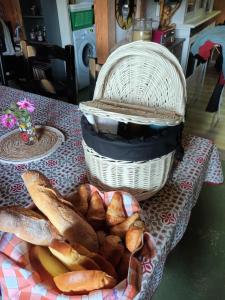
{"type": "Point", "coordinates": [126, 112]}
{"type": "Point", "coordinates": [145, 74]}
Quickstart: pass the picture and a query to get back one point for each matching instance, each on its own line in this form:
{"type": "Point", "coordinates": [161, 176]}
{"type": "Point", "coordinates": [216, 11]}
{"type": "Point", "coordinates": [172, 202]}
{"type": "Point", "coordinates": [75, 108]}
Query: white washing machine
{"type": "Point", "coordinates": [84, 47]}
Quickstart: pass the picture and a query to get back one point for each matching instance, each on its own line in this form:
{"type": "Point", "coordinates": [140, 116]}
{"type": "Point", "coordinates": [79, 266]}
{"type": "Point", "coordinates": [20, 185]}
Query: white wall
{"type": "Point", "coordinates": [64, 22]}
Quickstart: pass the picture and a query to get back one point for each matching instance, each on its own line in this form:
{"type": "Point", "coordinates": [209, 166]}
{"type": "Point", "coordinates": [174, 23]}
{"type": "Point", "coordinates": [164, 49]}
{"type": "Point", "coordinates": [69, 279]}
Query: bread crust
{"type": "Point", "coordinates": [69, 224]}
{"type": "Point", "coordinates": [71, 258]}
{"type": "Point", "coordinates": [28, 225]}
{"type": "Point", "coordinates": [96, 211]}
{"type": "Point", "coordinates": [123, 227]}
{"type": "Point", "coordinates": [82, 282]}
{"type": "Point", "coordinates": [133, 238]}
{"type": "Point", "coordinates": [112, 249]}
{"type": "Point", "coordinates": [115, 213]}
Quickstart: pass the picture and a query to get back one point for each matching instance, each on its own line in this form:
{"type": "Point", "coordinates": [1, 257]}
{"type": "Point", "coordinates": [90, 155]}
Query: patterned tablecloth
{"type": "Point", "coordinates": [166, 214]}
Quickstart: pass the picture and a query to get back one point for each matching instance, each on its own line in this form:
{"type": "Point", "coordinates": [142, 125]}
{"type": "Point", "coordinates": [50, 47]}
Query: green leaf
{"type": "Point", "coordinates": [8, 111]}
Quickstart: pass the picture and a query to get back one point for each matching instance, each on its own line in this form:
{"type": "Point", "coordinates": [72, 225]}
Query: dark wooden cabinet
{"type": "Point", "coordinates": [44, 15]}
{"type": "Point", "coordinates": [32, 15]}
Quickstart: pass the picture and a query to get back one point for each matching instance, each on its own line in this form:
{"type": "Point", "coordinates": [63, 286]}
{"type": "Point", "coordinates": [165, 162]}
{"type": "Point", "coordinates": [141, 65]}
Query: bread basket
{"type": "Point", "coordinates": [142, 83]}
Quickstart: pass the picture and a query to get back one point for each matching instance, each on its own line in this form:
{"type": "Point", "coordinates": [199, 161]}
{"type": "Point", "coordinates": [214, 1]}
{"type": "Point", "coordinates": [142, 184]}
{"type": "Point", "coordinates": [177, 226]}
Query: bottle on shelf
{"type": "Point", "coordinates": [40, 35]}
{"type": "Point", "coordinates": [44, 34]}
{"type": "Point", "coordinates": [32, 35]}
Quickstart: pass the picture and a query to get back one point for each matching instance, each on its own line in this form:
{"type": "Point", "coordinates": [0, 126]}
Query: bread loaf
{"type": "Point", "coordinates": [69, 224]}
{"type": "Point", "coordinates": [28, 225]}
{"type": "Point", "coordinates": [50, 263]}
{"type": "Point", "coordinates": [82, 282]}
{"type": "Point", "coordinates": [71, 258]}
{"type": "Point", "coordinates": [75, 261]}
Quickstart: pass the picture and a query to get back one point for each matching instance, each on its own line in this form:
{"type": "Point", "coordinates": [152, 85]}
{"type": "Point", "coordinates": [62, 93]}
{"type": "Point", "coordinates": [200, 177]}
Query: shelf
{"type": "Point", "coordinates": [202, 19]}
{"type": "Point", "coordinates": [31, 42]}
{"type": "Point", "coordinates": [33, 17]}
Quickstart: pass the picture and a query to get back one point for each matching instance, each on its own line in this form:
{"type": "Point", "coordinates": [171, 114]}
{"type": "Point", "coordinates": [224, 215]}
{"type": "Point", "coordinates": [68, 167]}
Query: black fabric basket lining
{"type": "Point", "coordinates": [118, 148]}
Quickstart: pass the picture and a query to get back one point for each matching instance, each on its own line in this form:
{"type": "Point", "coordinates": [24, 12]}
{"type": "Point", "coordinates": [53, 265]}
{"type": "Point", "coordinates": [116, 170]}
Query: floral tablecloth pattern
{"type": "Point", "coordinates": [166, 214]}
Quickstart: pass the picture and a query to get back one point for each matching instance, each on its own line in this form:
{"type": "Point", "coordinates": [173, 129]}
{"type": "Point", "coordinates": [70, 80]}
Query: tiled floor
{"type": "Point", "coordinates": [198, 121]}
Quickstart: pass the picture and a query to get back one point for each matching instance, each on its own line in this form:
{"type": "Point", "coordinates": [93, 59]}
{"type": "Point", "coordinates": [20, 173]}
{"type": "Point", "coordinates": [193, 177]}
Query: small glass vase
{"type": "Point", "coordinates": [27, 131]}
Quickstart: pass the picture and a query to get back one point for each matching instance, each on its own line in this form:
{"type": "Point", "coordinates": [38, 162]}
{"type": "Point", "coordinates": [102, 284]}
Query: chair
{"type": "Point", "coordinates": [196, 81]}
{"type": "Point", "coordinates": [94, 69]}
{"type": "Point", "coordinates": [45, 76]}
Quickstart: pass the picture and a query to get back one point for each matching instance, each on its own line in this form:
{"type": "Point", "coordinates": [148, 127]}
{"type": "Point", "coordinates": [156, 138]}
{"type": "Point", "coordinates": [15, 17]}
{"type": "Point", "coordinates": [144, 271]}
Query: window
{"type": "Point", "coordinates": [191, 6]}
{"type": "Point", "coordinates": [197, 8]}
{"type": "Point", "coordinates": [202, 3]}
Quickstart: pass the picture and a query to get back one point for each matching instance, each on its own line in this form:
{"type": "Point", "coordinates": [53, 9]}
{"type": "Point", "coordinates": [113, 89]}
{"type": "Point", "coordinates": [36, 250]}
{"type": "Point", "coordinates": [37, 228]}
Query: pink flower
{"type": "Point", "coordinates": [8, 120]}
{"type": "Point", "coordinates": [24, 104]}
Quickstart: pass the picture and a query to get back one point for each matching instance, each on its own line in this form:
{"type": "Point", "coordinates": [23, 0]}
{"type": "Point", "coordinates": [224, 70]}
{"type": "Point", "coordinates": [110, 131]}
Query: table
{"type": "Point", "coordinates": [166, 214]}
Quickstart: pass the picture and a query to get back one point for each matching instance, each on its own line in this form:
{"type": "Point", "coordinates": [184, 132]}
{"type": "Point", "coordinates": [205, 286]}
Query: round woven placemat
{"type": "Point", "coordinates": [14, 150]}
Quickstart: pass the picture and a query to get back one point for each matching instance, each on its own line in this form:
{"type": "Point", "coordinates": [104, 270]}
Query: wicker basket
{"type": "Point", "coordinates": [143, 83]}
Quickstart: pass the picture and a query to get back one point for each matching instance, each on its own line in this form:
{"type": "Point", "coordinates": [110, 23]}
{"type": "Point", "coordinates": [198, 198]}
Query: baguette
{"type": "Point", "coordinates": [69, 224]}
{"type": "Point", "coordinates": [82, 282]}
{"type": "Point", "coordinates": [28, 225]}
{"type": "Point", "coordinates": [71, 258]}
{"type": "Point", "coordinates": [50, 263]}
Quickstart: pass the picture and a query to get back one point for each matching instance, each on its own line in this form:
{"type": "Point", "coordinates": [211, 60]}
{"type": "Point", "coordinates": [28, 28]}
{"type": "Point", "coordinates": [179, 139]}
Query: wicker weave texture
{"type": "Point", "coordinates": [143, 73]}
{"type": "Point", "coordinates": [126, 112]}
{"type": "Point", "coordinates": [148, 75]}
{"type": "Point", "coordinates": [142, 179]}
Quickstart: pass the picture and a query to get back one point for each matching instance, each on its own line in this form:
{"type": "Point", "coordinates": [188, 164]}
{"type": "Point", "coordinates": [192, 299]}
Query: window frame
{"type": "Point", "coordinates": [198, 11]}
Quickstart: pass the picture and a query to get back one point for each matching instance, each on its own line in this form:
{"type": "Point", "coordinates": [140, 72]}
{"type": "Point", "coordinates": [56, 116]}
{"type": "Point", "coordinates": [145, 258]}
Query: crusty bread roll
{"type": "Point", "coordinates": [28, 225]}
{"type": "Point", "coordinates": [101, 236]}
{"type": "Point", "coordinates": [80, 198]}
{"type": "Point", "coordinates": [96, 211]}
{"type": "Point", "coordinates": [50, 263]}
{"type": "Point", "coordinates": [140, 224]}
{"type": "Point", "coordinates": [81, 249]}
{"type": "Point", "coordinates": [82, 282]}
{"type": "Point", "coordinates": [133, 238]}
{"type": "Point", "coordinates": [112, 249]}
{"type": "Point", "coordinates": [71, 258]}
{"type": "Point", "coordinates": [104, 264]}
{"type": "Point", "coordinates": [115, 213]}
{"type": "Point", "coordinates": [69, 224]}
{"type": "Point", "coordinates": [123, 266]}
{"type": "Point", "coordinates": [122, 228]}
